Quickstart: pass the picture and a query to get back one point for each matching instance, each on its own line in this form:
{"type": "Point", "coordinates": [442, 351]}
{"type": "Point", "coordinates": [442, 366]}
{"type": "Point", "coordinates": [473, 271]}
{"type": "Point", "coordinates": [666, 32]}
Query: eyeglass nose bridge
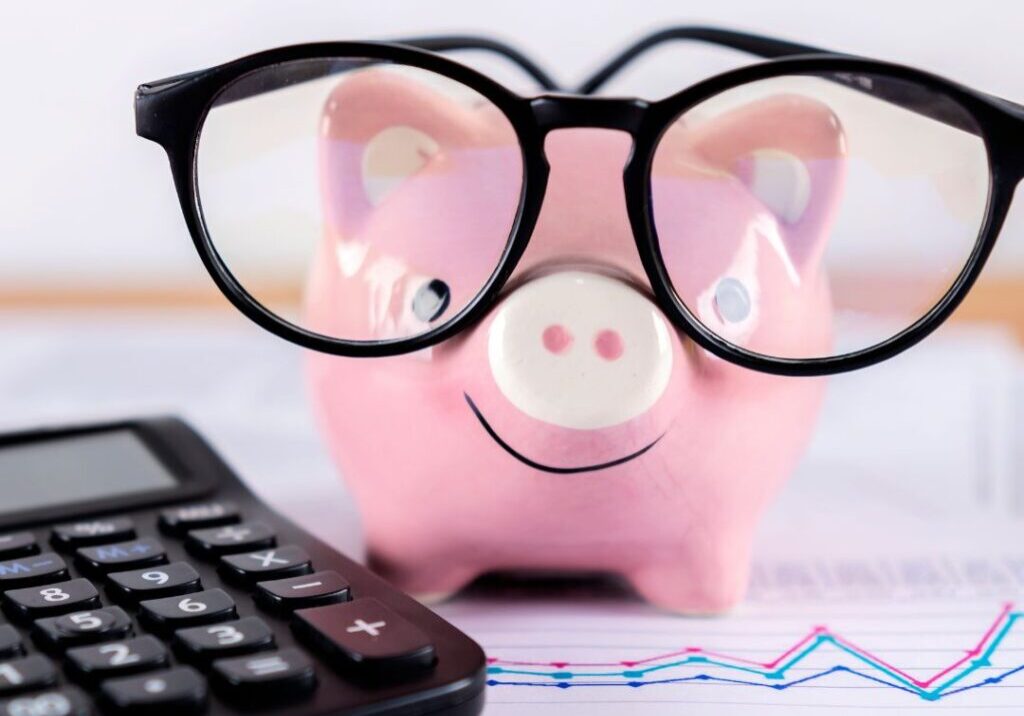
{"type": "Point", "coordinates": [566, 111]}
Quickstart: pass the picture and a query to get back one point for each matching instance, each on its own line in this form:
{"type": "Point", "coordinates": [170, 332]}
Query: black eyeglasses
{"type": "Point", "coordinates": [808, 215]}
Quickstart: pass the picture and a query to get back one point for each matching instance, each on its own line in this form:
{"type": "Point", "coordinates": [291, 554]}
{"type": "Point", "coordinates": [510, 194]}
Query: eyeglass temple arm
{"type": "Point", "coordinates": [455, 43]}
{"type": "Point", "coordinates": [758, 45]}
{"type": "Point", "coordinates": [901, 94]}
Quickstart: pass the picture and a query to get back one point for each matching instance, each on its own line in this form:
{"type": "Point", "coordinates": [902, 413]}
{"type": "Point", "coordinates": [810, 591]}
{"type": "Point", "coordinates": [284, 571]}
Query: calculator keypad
{"type": "Point", "coordinates": [85, 627]}
{"type": "Point", "coordinates": [206, 607]}
{"type": "Point", "coordinates": [43, 601]}
{"type": "Point", "coordinates": [139, 670]}
{"type": "Point", "coordinates": [90, 665]}
{"type": "Point", "coordinates": [121, 556]}
{"type": "Point", "coordinates": [137, 585]}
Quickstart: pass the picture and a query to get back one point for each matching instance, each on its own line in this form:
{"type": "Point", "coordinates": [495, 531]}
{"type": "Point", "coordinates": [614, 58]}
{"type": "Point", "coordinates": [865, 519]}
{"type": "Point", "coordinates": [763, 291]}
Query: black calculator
{"type": "Point", "coordinates": [139, 576]}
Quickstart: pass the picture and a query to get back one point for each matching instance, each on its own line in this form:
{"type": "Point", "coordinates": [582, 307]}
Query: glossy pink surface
{"type": "Point", "coordinates": [574, 429]}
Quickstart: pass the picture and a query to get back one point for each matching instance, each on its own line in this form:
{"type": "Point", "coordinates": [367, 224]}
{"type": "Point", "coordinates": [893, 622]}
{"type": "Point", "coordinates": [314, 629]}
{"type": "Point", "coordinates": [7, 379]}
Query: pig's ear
{"type": "Point", "coordinates": [379, 128]}
{"type": "Point", "coordinates": [789, 151]}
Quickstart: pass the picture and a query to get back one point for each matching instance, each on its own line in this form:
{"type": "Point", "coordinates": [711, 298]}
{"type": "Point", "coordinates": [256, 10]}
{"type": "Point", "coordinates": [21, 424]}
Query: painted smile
{"type": "Point", "coordinates": [548, 468]}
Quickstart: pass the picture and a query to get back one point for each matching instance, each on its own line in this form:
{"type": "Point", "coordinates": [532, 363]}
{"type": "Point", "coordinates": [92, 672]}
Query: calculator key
{"type": "Point", "coordinates": [274, 675]}
{"type": "Point", "coordinates": [65, 701]}
{"type": "Point", "coordinates": [26, 571]}
{"type": "Point", "coordinates": [180, 691]}
{"type": "Point", "coordinates": [229, 539]}
{"type": "Point", "coordinates": [139, 553]}
{"type": "Point", "coordinates": [264, 565]}
{"type": "Point", "coordinates": [171, 613]}
{"type": "Point", "coordinates": [178, 521]}
{"type": "Point", "coordinates": [217, 641]}
{"type": "Point", "coordinates": [85, 627]}
{"type": "Point", "coordinates": [10, 642]}
{"type": "Point", "coordinates": [154, 582]}
{"type": "Point", "coordinates": [285, 595]}
{"type": "Point", "coordinates": [18, 544]}
{"type": "Point", "coordinates": [73, 535]}
{"type": "Point", "coordinates": [50, 600]}
{"type": "Point", "coordinates": [26, 674]}
{"type": "Point", "coordinates": [91, 664]}
{"type": "Point", "coordinates": [367, 635]}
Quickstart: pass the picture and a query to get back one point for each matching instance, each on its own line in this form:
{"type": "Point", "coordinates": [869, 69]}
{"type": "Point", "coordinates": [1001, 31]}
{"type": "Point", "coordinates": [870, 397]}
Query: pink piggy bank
{"type": "Point", "coordinates": [574, 429]}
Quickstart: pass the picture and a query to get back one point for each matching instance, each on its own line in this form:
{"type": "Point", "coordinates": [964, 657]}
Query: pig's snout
{"type": "Point", "coordinates": [580, 350]}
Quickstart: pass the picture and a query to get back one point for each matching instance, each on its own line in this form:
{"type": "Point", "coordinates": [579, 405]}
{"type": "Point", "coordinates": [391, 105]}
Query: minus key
{"type": "Point", "coordinates": [308, 590]}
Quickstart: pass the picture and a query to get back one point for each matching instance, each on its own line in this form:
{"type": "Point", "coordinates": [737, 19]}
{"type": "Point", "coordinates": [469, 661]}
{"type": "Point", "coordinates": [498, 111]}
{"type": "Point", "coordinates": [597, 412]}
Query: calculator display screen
{"type": "Point", "coordinates": [96, 466]}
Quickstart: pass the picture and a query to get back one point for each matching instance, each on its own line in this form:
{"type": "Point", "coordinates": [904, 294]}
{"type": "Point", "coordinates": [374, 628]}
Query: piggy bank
{"type": "Point", "coordinates": [574, 429]}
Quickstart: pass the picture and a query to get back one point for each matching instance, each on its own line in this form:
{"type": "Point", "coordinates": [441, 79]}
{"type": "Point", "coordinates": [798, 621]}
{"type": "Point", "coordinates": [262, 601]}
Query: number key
{"type": "Point", "coordinates": [206, 643]}
{"type": "Point", "coordinates": [65, 701]}
{"type": "Point", "coordinates": [89, 665]}
{"type": "Point", "coordinates": [166, 615]}
{"type": "Point", "coordinates": [154, 582]}
{"type": "Point", "coordinates": [35, 602]}
{"type": "Point", "coordinates": [26, 674]}
{"type": "Point", "coordinates": [77, 628]}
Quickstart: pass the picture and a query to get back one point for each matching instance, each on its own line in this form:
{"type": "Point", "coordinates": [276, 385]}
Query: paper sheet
{"type": "Point", "coordinates": [898, 536]}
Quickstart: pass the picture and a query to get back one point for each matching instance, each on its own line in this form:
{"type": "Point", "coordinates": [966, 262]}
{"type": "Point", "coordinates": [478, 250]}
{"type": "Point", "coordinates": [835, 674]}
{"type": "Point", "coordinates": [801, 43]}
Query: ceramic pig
{"type": "Point", "coordinates": [574, 429]}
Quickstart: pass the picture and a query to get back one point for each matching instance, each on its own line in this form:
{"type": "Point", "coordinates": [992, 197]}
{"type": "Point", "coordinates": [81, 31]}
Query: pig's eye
{"type": "Point", "coordinates": [431, 300]}
{"type": "Point", "coordinates": [729, 304]}
{"type": "Point", "coordinates": [731, 301]}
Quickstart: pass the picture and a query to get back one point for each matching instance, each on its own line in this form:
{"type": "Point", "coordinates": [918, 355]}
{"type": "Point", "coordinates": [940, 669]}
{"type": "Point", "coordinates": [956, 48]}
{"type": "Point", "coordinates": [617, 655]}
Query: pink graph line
{"type": "Point", "coordinates": [804, 641]}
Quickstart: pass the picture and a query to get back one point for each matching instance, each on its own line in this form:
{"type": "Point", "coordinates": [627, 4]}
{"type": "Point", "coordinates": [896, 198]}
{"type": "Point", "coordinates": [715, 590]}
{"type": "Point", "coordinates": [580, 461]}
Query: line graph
{"type": "Point", "coordinates": [958, 676]}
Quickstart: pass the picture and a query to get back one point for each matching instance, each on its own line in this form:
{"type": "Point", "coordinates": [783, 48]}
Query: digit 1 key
{"type": "Point", "coordinates": [366, 634]}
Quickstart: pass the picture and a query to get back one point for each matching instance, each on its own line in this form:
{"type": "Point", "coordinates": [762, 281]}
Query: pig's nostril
{"type": "Point", "coordinates": [608, 344]}
{"type": "Point", "coordinates": [556, 338]}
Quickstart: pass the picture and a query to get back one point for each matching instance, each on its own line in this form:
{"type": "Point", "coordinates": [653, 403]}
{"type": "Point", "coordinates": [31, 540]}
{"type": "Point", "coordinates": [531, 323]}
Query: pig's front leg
{"type": "Point", "coordinates": [707, 574]}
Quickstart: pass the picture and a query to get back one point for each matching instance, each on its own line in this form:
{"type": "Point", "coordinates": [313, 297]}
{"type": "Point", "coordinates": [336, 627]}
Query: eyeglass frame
{"type": "Point", "coordinates": [172, 111]}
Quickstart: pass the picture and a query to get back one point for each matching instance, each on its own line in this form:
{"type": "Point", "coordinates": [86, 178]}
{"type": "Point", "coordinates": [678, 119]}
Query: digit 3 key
{"type": "Point", "coordinates": [171, 589]}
